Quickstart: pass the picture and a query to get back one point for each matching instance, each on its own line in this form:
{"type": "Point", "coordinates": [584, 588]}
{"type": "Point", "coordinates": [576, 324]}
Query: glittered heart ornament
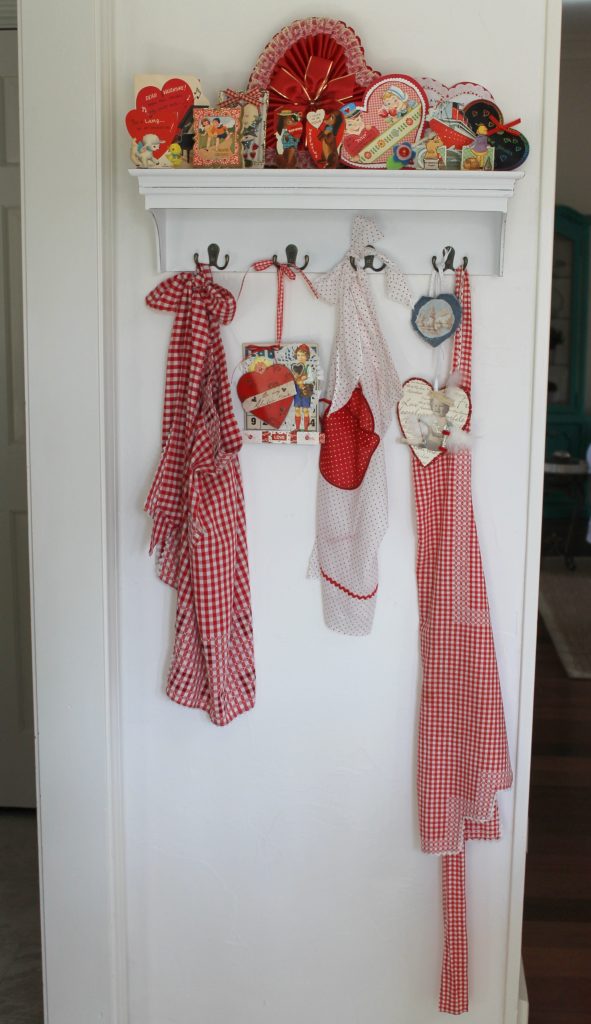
{"type": "Point", "coordinates": [427, 417]}
{"type": "Point", "coordinates": [160, 112]}
{"type": "Point", "coordinates": [268, 394]}
{"type": "Point", "coordinates": [510, 146]}
{"type": "Point", "coordinates": [436, 318]}
{"type": "Point", "coordinates": [393, 111]}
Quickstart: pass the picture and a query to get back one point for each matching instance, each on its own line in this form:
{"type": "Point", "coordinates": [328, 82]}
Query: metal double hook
{"type": "Point", "coordinates": [449, 255]}
{"type": "Point", "coordinates": [213, 252]}
{"type": "Point", "coordinates": [291, 253]}
{"type": "Point", "coordinates": [368, 262]}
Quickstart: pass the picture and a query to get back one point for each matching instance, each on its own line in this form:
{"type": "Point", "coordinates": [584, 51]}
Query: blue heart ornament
{"type": "Point", "coordinates": [436, 317]}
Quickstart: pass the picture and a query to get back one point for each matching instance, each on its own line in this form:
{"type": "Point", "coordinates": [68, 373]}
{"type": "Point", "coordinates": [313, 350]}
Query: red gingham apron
{"type": "Point", "coordinates": [197, 506]}
{"type": "Point", "coordinates": [463, 760]}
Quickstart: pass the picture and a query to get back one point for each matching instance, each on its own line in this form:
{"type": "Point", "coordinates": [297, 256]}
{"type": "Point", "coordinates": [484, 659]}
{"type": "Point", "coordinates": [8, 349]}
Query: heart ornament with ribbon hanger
{"type": "Point", "coordinates": [428, 417]}
{"type": "Point", "coordinates": [393, 111]}
{"type": "Point", "coordinates": [436, 317]}
{"type": "Point", "coordinates": [267, 391]}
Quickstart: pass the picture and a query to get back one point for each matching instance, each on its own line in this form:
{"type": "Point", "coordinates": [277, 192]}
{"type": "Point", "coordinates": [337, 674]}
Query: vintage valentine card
{"type": "Point", "coordinates": [392, 112]}
{"type": "Point", "coordinates": [253, 122]}
{"type": "Point", "coordinates": [161, 124]}
{"type": "Point", "coordinates": [217, 137]}
{"type": "Point", "coordinates": [279, 388]}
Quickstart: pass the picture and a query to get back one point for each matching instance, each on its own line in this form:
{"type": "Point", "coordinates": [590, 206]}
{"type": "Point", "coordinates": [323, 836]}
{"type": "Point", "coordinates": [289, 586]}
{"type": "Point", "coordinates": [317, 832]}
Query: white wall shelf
{"type": "Point", "coordinates": [252, 214]}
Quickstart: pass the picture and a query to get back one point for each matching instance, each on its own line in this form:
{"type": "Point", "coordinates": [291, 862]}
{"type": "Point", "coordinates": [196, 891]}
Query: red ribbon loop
{"type": "Point", "coordinates": [500, 127]}
{"type": "Point", "coordinates": [284, 270]}
{"type": "Point", "coordinates": [315, 87]}
{"type": "Point", "coordinates": [234, 98]}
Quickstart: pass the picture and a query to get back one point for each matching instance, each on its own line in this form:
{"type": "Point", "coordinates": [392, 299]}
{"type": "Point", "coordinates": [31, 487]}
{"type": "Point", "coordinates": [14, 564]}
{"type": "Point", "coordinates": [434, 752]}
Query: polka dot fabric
{"type": "Point", "coordinates": [363, 388]}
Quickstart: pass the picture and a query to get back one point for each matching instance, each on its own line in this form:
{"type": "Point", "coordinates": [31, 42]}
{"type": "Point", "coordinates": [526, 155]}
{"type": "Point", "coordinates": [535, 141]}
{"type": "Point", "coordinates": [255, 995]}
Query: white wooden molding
{"type": "Point", "coordinates": [67, 278]}
{"type": "Point", "coordinates": [271, 189]}
{"type": "Point", "coordinates": [190, 208]}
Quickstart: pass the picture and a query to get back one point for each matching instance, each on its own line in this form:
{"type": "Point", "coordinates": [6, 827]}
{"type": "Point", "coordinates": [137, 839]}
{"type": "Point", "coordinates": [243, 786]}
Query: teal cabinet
{"type": "Point", "coordinates": [568, 427]}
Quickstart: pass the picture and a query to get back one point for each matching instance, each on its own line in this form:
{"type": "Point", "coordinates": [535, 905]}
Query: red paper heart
{"type": "Point", "coordinates": [160, 112]}
{"type": "Point", "coordinates": [393, 111]}
{"type": "Point", "coordinates": [268, 395]}
{"type": "Point", "coordinates": [312, 63]}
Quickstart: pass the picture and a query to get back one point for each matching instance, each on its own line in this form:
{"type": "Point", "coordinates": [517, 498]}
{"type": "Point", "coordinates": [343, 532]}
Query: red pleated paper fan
{"type": "Point", "coordinates": [311, 64]}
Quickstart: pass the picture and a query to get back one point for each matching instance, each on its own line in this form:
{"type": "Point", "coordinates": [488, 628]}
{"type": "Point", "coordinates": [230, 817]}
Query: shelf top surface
{"type": "Point", "coordinates": [365, 181]}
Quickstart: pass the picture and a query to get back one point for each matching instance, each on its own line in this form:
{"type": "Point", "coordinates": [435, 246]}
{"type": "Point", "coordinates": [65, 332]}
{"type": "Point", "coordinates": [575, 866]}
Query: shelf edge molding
{"type": "Point", "coordinates": [480, 194]}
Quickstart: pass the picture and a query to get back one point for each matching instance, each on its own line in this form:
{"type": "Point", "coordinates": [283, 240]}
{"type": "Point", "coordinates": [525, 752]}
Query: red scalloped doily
{"type": "Point", "coordinates": [287, 59]}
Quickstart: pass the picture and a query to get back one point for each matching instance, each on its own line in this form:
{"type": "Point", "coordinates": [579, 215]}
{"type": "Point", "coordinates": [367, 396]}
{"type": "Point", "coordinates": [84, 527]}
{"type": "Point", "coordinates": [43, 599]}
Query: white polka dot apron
{"type": "Point", "coordinates": [362, 390]}
{"type": "Point", "coordinates": [463, 759]}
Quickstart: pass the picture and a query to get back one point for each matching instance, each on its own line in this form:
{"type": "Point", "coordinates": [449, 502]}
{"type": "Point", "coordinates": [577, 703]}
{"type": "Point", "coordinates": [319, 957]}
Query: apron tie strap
{"type": "Point", "coordinates": [453, 993]}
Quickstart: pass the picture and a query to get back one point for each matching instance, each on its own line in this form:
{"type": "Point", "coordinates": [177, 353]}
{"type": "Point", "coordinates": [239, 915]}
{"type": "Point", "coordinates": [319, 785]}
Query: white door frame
{"type": "Point", "coordinates": [68, 283]}
{"type": "Point", "coordinates": [67, 241]}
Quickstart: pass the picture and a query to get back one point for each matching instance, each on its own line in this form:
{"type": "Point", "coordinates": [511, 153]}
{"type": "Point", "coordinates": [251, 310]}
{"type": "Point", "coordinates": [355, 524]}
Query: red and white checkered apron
{"type": "Point", "coordinates": [463, 759]}
{"type": "Point", "coordinates": [197, 506]}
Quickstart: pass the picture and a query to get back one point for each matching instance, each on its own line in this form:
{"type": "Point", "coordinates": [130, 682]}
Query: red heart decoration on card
{"type": "Point", "coordinates": [160, 112]}
{"type": "Point", "coordinates": [268, 395]}
{"type": "Point", "coordinates": [393, 111]}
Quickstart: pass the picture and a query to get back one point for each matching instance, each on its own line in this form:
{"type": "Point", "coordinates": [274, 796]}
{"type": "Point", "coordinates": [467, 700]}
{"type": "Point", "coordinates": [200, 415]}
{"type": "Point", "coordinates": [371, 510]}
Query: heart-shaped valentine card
{"type": "Point", "coordinates": [159, 112]}
{"type": "Point", "coordinates": [460, 94]}
{"type": "Point", "coordinates": [267, 393]}
{"type": "Point", "coordinates": [510, 146]}
{"type": "Point", "coordinates": [324, 135]}
{"type": "Point", "coordinates": [311, 64]}
{"type": "Point", "coordinates": [436, 317]}
{"type": "Point", "coordinates": [393, 111]}
{"type": "Point", "coordinates": [427, 417]}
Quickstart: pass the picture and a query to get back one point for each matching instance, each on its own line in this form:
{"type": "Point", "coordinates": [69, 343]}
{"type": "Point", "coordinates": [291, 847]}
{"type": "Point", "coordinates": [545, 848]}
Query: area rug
{"type": "Point", "coordinates": [565, 606]}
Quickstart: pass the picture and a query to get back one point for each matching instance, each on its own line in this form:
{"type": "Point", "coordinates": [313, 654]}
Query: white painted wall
{"type": "Point", "coordinates": [272, 868]}
{"type": "Point", "coordinates": [272, 871]}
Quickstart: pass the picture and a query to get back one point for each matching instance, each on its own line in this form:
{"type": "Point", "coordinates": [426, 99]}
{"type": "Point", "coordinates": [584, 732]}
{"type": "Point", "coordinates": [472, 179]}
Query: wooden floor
{"type": "Point", "coordinates": [557, 911]}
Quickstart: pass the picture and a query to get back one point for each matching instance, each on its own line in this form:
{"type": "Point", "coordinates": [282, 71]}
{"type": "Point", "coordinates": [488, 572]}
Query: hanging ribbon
{"type": "Point", "coordinates": [315, 87]}
{"type": "Point", "coordinates": [500, 127]}
{"type": "Point", "coordinates": [284, 270]}
{"type": "Point", "coordinates": [234, 98]}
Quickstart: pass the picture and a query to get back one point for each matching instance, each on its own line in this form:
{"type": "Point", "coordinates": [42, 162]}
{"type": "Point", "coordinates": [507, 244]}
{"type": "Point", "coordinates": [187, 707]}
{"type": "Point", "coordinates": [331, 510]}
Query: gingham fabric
{"type": "Point", "coordinates": [285, 271]}
{"type": "Point", "coordinates": [197, 506]}
{"type": "Point", "coordinates": [362, 391]}
{"type": "Point", "coordinates": [463, 759]}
